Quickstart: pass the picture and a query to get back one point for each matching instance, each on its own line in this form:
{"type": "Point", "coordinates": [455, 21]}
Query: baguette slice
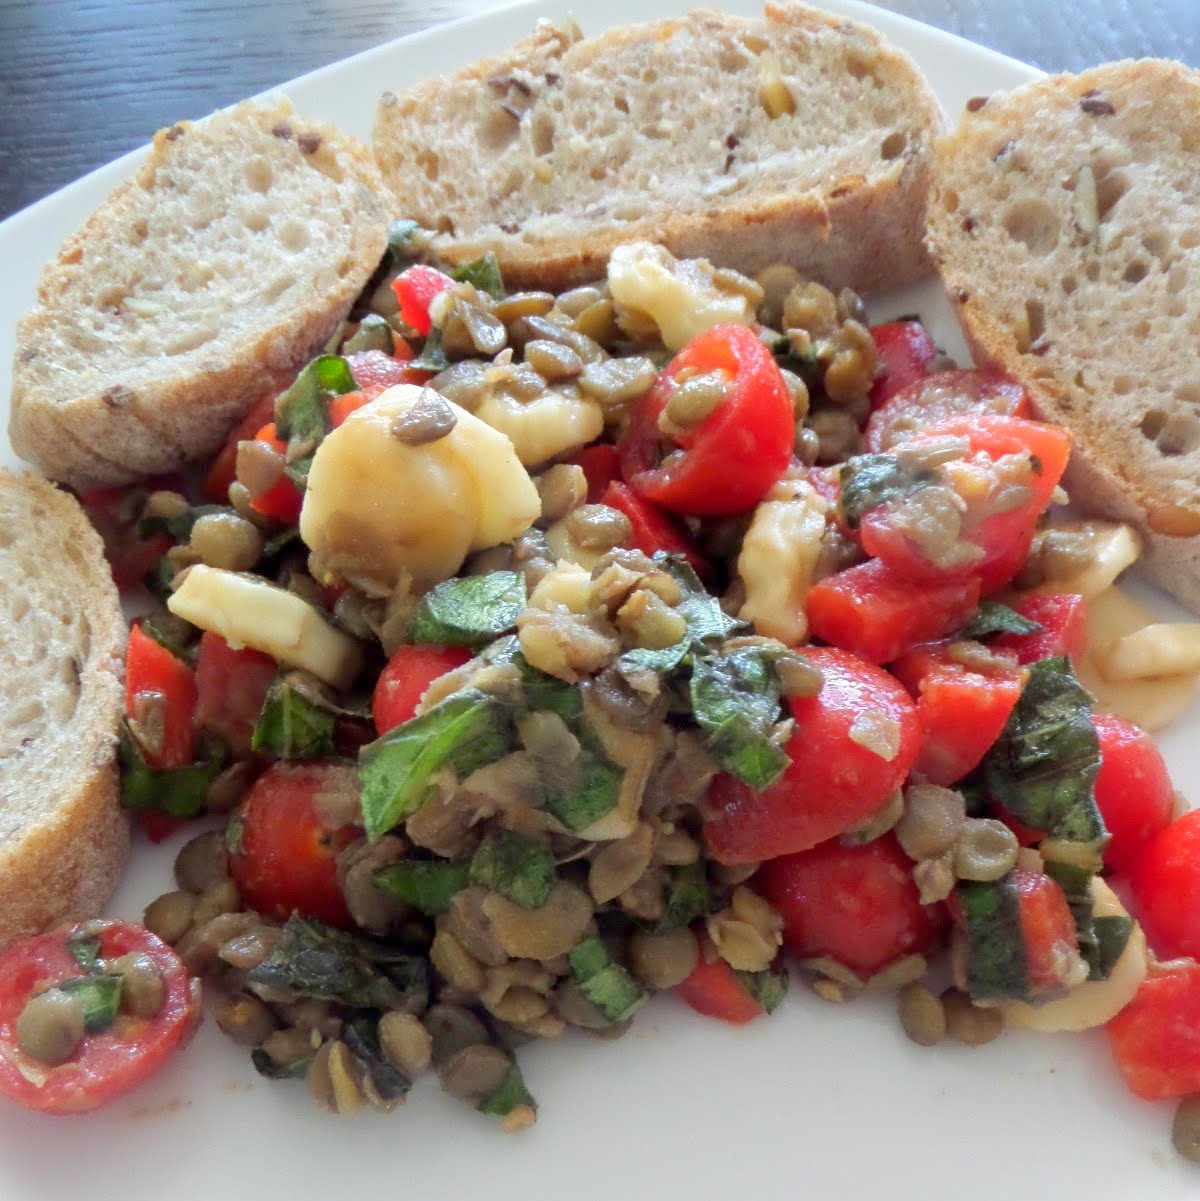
{"type": "Point", "coordinates": [556, 151]}
{"type": "Point", "coordinates": [198, 286]}
{"type": "Point", "coordinates": [63, 834]}
{"type": "Point", "coordinates": [1066, 226]}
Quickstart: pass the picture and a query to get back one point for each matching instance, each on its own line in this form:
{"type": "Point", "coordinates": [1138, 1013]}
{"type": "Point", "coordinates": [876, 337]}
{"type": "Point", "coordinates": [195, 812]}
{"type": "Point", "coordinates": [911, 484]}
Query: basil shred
{"type": "Point", "coordinates": [302, 412]}
{"type": "Point", "coordinates": [178, 792]}
{"type": "Point", "coordinates": [995, 618]}
{"type": "Point", "coordinates": [291, 726]}
{"type": "Point", "coordinates": [469, 610]}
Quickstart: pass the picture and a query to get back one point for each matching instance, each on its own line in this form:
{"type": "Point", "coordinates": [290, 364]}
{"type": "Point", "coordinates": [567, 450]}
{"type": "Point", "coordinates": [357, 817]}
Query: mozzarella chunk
{"type": "Point", "coordinates": [1161, 649]}
{"type": "Point", "coordinates": [679, 296]}
{"type": "Point", "coordinates": [779, 558]}
{"type": "Point", "coordinates": [546, 426]}
{"type": "Point", "coordinates": [377, 508]}
{"type": "Point", "coordinates": [248, 611]}
{"type": "Point", "coordinates": [1113, 548]}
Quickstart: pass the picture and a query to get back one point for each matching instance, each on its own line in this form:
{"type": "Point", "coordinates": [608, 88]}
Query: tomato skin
{"type": "Point", "coordinates": [731, 458]}
{"type": "Point", "coordinates": [875, 613]}
{"type": "Point", "coordinates": [223, 471]}
{"type": "Point", "coordinates": [1155, 1039]}
{"type": "Point", "coordinates": [1166, 888]}
{"type": "Point", "coordinates": [282, 500]}
{"type": "Point", "coordinates": [906, 352]}
{"type": "Point", "coordinates": [601, 466]}
{"type": "Point", "coordinates": [286, 860]}
{"type": "Point", "coordinates": [858, 905]}
{"type": "Point", "coordinates": [832, 784]}
{"type": "Point", "coordinates": [151, 668]}
{"type": "Point", "coordinates": [231, 688]}
{"type": "Point", "coordinates": [1133, 791]}
{"type": "Point", "coordinates": [654, 530]}
{"type": "Point", "coordinates": [713, 990]}
{"type": "Point", "coordinates": [415, 290]}
{"type": "Point", "coordinates": [961, 712]}
{"type": "Point", "coordinates": [110, 1063]}
{"type": "Point", "coordinates": [404, 680]}
{"type": "Point", "coordinates": [1063, 618]}
{"type": "Point", "coordinates": [1046, 927]}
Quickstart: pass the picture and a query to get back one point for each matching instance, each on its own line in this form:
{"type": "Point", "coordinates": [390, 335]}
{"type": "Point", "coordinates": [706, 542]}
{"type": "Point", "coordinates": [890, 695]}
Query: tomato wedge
{"type": "Point", "coordinates": [151, 671]}
{"type": "Point", "coordinates": [727, 462]}
{"type": "Point", "coordinates": [905, 351]}
{"type": "Point", "coordinates": [713, 990]}
{"type": "Point", "coordinates": [405, 679]}
{"type": "Point", "coordinates": [654, 530]}
{"type": "Point", "coordinates": [108, 1063]}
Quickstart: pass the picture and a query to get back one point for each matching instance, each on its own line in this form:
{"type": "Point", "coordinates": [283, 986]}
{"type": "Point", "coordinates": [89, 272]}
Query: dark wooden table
{"type": "Point", "coordinates": [85, 80]}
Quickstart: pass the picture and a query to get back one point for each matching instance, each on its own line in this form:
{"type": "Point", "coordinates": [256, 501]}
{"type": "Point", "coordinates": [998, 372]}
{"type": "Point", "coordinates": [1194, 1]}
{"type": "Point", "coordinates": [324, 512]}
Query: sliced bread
{"type": "Point", "coordinates": [200, 284]}
{"type": "Point", "coordinates": [1065, 222]}
{"type": "Point", "coordinates": [796, 138]}
{"type": "Point", "coordinates": [63, 835]}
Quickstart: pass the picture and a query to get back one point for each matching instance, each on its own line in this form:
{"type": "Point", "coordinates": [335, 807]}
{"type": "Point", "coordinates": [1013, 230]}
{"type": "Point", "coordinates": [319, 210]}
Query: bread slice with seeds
{"type": "Point", "coordinates": [1065, 222]}
{"type": "Point", "coordinates": [798, 137]}
{"type": "Point", "coordinates": [63, 835]}
{"type": "Point", "coordinates": [199, 285]}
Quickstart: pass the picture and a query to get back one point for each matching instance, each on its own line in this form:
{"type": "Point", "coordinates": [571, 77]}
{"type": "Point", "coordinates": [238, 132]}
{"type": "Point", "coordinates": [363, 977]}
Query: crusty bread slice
{"type": "Point", "coordinates": [63, 835]}
{"type": "Point", "coordinates": [1066, 225]}
{"type": "Point", "coordinates": [200, 284]}
{"type": "Point", "coordinates": [556, 151]}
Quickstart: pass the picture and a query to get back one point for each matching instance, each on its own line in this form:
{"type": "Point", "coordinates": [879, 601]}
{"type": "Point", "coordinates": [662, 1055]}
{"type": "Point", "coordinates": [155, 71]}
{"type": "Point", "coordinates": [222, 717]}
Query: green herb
{"type": "Point", "coordinates": [179, 526]}
{"type": "Point", "coordinates": [464, 732]}
{"type": "Point", "coordinates": [1043, 767]}
{"type": "Point", "coordinates": [280, 542]}
{"type": "Point", "coordinates": [428, 885]}
{"type": "Point", "coordinates": [302, 412]}
{"type": "Point", "coordinates": [1076, 883]}
{"type": "Point", "coordinates": [767, 987]}
{"type": "Point", "coordinates": [1112, 934]}
{"type": "Point", "coordinates": [373, 333]}
{"type": "Point", "coordinates": [173, 635]}
{"type": "Point", "coordinates": [85, 950]}
{"type": "Point", "coordinates": [516, 866]}
{"type": "Point", "coordinates": [687, 898]}
{"type": "Point", "coordinates": [995, 618]}
{"type": "Point", "coordinates": [507, 1095]}
{"type": "Point", "coordinates": [178, 791]}
{"type": "Point", "coordinates": [361, 1037]}
{"type": "Point", "coordinates": [291, 726]}
{"type": "Point", "coordinates": [264, 1065]}
{"type": "Point", "coordinates": [157, 581]}
{"type": "Point", "coordinates": [607, 985]}
{"type": "Point", "coordinates": [871, 480]}
{"type": "Point", "coordinates": [483, 274]}
{"type": "Point", "coordinates": [996, 964]}
{"type": "Point", "coordinates": [98, 996]}
{"type": "Point", "coordinates": [432, 357]}
{"type": "Point", "coordinates": [469, 610]}
{"type": "Point", "coordinates": [592, 798]}
{"type": "Point", "coordinates": [546, 694]}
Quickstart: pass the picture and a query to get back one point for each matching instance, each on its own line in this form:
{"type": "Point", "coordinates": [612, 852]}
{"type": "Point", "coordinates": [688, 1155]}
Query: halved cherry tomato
{"type": "Point", "coordinates": [1133, 792]}
{"type": "Point", "coordinates": [857, 905]}
{"type": "Point", "coordinates": [905, 351]}
{"type": "Point", "coordinates": [1156, 1037]}
{"type": "Point", "coordinates": [224, 467]}
{"type": "Point", "coordinates": [713, 990]}
{"type": "Point", "coordinates": [108, 1063]}
{"type": "Point", "coordinates": [231, 688]}
{"type": "Point", "coordinates": [405, 679]}
{"type": "Point", "coordinates": [654, 530]}
{"type": "Point", "coordinates": [1047, 928]}
{"type": "Point", "coordinates": [152, 671]}
{"type": "Point", "coordinates": [283, 499]}
{"type": "Point", "coordinates": [375, 372]}
{"type": "Point", "coordinates": [932, 399]}
{"type": "Point", "coordinates": [1166, 888]}
{"type": "Point", "coordinates": [415, 290]}
{"type": "Point", "coordinates": [601, 466]}
{"type": "Point", "coordinates": [1063, 618]}
{"type": "Point", "coordinates": [285, 855]}
{"type": "Point", "coordinates": [872, 611]}
{"type": "Point", "coordinates": [728, 462]}
{"type": "Point", "coordinates": [114, 513]}
{"type": "Point", "coordinates": [837, 778]}
{"type": "Point", "coordinates": [961, 711]}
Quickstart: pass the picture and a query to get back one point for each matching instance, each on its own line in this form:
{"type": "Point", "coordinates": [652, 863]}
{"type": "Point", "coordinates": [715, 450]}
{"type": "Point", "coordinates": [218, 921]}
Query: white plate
{"type": "Point", "coordinates": [817, 1101]}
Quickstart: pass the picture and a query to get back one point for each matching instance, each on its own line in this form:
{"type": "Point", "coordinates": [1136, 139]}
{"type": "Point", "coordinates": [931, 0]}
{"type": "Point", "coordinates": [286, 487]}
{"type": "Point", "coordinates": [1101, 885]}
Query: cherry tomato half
{"type": "Point", "coordinates": [905, 351]}
{"type": "Point", "coordinates": [654, 530]}
{"type": "Point", "coordinates": [406, 678]}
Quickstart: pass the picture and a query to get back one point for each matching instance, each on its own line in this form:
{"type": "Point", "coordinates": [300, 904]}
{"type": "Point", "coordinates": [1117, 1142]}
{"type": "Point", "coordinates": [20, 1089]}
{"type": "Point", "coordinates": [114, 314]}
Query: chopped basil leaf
{"type": "Point", "coordinates": [291, 726]}
{"type": "Point", "coordinates": [995, 618]}
{"type": "Point", "coordinates": [171, 633]}
{"type": "Point", "coordinates": [516, 866]}
{"type": "Point", "coordinates": [607, 985]}
{"type": "Point", "coordinates": [687, 898]}
{"type": "Point", "coordinates": [178, 791]}
{"type": "Point", "coordinates": [871, 480]}
{"type": "Point", "coordinates": [767, 987]}
{"type": "Point", "coordinates": [373, 333]}
{"type": "Point", "coordinates": [302, 412]}
{"type": "Point", "coordinates": [469, 610]}
{"type": "Point", "coordinates": [84, 950]}
{"type": "Point", "coordinates": [466, 731]}
{"type": "Point", "coordinates": [996, 963]}
{"type": "Point", "coordinates": [264, 1065]}
{"type": "Point", "coordinates": [507, 1095]}
{"type": "Point", "coordinates": [180, 526]}
{"type": "Point", "coordinates": [594, 796]}
{"type": "Point", "coordinates": [361, 1036]}
{"type": "Point", "coordinates": [98, 996]}
{"type": "Point", "coordinates": [1076, 883]}
{"type": "Point", "coordinates": [484, 274]}
{"type": "Point", "coordinates": [157, 581]}
{"type": "Point", "coordinates": [546, 694]}
{"type": "Point", "coordinates": [1112, 933]}
{"type": "Point", "coordinates": [428, 885]}
{"type": "Point", "coordinates": [432, 357]}
{"type": "Point", "coordinates": [706, 619]}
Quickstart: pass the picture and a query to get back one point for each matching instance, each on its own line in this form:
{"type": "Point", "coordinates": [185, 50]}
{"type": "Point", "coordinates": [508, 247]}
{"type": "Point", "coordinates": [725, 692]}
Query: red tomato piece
{"type": "Point", "coordinates": [406, 678]}
{"type": "Point", "coordinates": [601, 466]}
{"type": "Point", "coordinates": [931, 399]}
{"type": "Point", "coordinates": [282, 500]}
{"type": "Point", "coordinates": [654, 530]}
{"type": "Point", "coordinates": [156, 825]}
{"type": "Point", "coordinates": [114, 513]}
{"type": "Point", "coordinates": [1133, 791]}
{"type": "Point", "coordinates": [374, 371]}
{"type": "Point", "coordinates": [905, 351]}
{"type": "Point", "coordinates": [1156, 1038]}
{"type": "Point", "coordinates": [1063, 618]}
{"type": "Point", "coordinates": [415, 290]}
{"type": "Point", "coordinates": [730, 460]}
{"type": "Point", "coordinates": [713, 990]}
{"type": "Point", "coordinates": [1166, 888]}
{"type": "Point", "coordinates": [224, 467]}
{"type": "Point", "coordinates": [151, 670]}
{"type": "Point", "coordinates": [340, 407]}
{"type": "Point", "coordinates": [1047, 928]}
{"type": "Point", "coordinates": [1027, 836]}
{"type": "Point", "coordinates": [109, 1063]}
{"type": "Point", "coordinates": [231, 688]}
{"type": "Point", "coordinates": [872, 611]}
{"type": "Point", "coordinates": [857, 905]}
{"type": "Point", "coordinates": [286, 857]}
{"type": "Point", "coordinates": [961, 711]}
{"type": "Point", "coordinates": [833, 782]}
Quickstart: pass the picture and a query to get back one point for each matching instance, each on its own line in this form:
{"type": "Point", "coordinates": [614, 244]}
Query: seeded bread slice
{"type": "Point", "coordinates": [63, 835]}
{"type": "Point", "coordinates": [199, 285]}
{"type": "Point", "coordinates": [1066, 225]}
{"type": "Point", "coordinates": [677, 132]}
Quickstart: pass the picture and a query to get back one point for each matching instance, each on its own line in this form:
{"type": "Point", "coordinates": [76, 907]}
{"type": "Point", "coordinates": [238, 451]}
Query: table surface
{"type": "Point", "coordinates": [86, 80]}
